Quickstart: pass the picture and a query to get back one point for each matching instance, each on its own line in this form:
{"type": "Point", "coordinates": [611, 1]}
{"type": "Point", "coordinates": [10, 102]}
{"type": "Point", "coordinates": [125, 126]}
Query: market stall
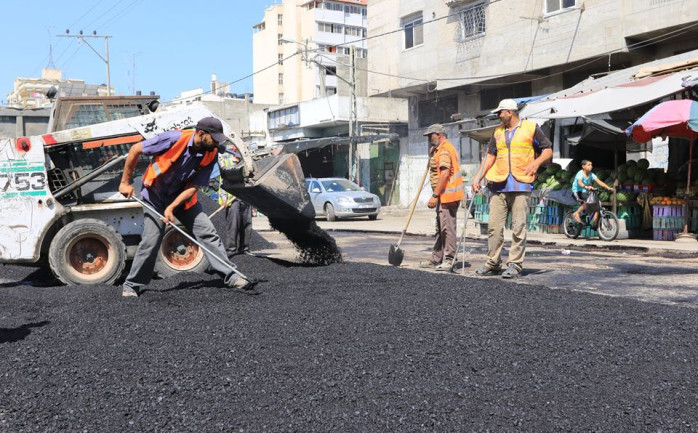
{"type": "Point", "coordinates": [678, 118]}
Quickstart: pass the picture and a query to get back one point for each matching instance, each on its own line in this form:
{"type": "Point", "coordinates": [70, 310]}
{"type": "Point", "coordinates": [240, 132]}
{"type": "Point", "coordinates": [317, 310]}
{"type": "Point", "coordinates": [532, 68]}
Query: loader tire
{"type": "Point", "coordinates": [87, 251]}
{"type": "Point", "coordinates": [179, 254]}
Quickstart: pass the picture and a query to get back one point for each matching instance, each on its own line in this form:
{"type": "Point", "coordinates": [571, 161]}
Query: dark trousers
{"type": "Point", "coordinates": [198, 224]}
{"type": "Point", "coordinates": [238, 218]}
{"type": "Point", "coordinates": [446, 232]}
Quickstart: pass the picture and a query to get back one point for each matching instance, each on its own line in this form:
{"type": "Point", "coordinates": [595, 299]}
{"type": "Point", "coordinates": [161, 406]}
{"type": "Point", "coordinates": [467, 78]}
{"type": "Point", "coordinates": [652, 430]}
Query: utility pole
{"type": "Point", "coordinates": [352, 117]}
{"type": "Point", "coordinates": [106, 48]}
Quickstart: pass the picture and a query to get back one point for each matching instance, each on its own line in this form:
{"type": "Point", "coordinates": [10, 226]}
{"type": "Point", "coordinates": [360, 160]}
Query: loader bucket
{"type": "Point", "coordinates": [277, 188]}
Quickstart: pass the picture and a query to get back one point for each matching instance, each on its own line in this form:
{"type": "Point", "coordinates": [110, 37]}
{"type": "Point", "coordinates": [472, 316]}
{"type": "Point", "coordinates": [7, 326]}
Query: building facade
{"type": "Point", "coordinates": [300, 44]}
{"type": "Point", "coordinates": [454, 60]}
{"type": "Point", "coordinates": [33, 92]}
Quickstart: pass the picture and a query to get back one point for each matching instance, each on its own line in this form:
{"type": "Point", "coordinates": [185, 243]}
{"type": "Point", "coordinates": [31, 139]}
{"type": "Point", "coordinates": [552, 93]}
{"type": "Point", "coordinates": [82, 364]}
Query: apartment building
{"type": "Point", "coordinates": [32, 92]}
{"type": "Point", "coordinates": [298, 45]}
{"type": "Point", "coordinates": [455, 59]}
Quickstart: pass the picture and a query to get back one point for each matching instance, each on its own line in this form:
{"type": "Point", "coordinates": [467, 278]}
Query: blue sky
{"type": "Point", "coordinates": [165, 46]}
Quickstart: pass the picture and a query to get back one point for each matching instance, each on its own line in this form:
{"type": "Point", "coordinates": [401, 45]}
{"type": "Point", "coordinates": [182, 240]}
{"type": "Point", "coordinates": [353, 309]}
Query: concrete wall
{"type": "Point", "coordinates": [265, 53]}
{"type": "Point", "coordinates": [17, 122]}
{"type": "Point", "coordinates": [301, 74]}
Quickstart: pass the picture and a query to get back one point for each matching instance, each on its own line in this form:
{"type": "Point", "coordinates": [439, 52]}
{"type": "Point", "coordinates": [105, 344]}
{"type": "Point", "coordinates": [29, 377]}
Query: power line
{"type": "Point", "coordinates": [319, 50]}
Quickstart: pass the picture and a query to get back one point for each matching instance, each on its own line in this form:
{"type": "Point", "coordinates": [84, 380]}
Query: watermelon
{"type": "Point", "coordinates": [563, 175]}
{"type": "Point", "coordinates": [632, 171]}
{"type": "Point", "coordinates": [622, 177]}
{"type": "Point", "coordinates": [643, 163]}
{"type": "Point", "coordinates": [631, 162]}
{"type": "Point", "coordinates": [639, 175]}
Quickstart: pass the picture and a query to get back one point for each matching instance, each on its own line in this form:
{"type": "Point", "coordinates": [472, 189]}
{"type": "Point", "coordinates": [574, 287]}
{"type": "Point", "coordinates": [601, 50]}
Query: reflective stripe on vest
{"type": "Point", "coordinates": [163, 162]}
{"type": "Point", "coordinates": [515, 156]}
{"type": "Point", "coordinates": [225, 160]}
{"type": "Point", "coordinates": [454, 187]}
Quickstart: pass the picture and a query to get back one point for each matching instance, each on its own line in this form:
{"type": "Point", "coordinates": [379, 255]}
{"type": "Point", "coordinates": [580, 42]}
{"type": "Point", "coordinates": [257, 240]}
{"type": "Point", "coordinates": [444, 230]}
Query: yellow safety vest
{"type": "Point", "coordinates": [514, 157]}
{"type": "Point", "coordinates": [225, 160]}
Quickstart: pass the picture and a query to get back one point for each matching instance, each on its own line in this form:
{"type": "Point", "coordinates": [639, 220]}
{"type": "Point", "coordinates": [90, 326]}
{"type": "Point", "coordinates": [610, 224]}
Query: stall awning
{"type": "Point", "coordinates": [605, 134]}
{"type": "Point", "coordinates": [608, 99]}
{"type": "Point", "coordinates": [319, 143]}
{"type": "Point", "coordinates": [481, 135]}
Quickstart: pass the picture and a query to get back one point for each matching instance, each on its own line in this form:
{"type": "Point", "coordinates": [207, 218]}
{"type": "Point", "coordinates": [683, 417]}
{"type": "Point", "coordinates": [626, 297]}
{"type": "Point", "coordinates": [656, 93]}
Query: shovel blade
{"type": "Point", "coordinates": [395, 255]}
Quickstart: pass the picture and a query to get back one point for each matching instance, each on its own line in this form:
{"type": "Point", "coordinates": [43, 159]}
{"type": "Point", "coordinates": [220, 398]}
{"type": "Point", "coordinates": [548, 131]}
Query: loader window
{"type": "Point", "coordinates": [87, 114]}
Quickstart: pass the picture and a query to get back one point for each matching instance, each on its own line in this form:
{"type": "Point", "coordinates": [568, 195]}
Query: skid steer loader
{"type": "Point", "coordinates": [61, 207]}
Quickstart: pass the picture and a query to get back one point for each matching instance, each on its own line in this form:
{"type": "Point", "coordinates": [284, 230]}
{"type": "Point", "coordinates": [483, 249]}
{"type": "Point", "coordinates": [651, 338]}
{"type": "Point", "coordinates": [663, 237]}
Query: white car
{"type": "Point", "coordinates": [335, 197]}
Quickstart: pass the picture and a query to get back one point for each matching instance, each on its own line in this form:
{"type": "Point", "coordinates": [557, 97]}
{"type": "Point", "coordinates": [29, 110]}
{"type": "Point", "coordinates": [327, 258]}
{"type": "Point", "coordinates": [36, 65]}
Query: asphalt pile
{"type": "Point", "coordinates": [349, 347]}
{"type": "Point", "coordinates": [314, 245]}
{"type": "Point", "coordinates": [257, 242]}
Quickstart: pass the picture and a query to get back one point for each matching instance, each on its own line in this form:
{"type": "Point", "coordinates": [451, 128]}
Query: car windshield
{"type": "Point", "coordinates": [337, 185]}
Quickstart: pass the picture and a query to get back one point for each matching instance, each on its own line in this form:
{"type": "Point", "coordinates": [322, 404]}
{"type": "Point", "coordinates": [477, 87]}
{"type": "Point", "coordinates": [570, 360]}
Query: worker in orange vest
{"type": "Point", "coordinates": [182, 162]}
{"type": "Point", "coordinates": [510, 169]}
{"type": "Point", "coordinates": [447, 192]}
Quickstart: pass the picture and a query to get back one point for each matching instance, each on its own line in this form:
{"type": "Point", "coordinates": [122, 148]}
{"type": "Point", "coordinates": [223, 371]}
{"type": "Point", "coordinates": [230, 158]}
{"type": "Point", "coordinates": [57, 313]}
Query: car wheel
{"type": "Point", "coordinates": [329, 211]}
{"type": "Point", "coordinates": [373, 217]}
{"type": "Point", "coordinates": [87, 251]}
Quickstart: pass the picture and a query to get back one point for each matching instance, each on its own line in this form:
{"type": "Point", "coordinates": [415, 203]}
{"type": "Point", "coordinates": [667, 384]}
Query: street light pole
{"type": "Point", "coordinates": [352, 117]}
{"type": "Point", "coordinates": [106, 47]}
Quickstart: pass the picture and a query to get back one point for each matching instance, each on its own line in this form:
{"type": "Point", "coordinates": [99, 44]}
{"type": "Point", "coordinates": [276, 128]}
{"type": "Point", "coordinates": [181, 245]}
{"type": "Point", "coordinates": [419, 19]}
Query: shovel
{"type": "Point", "coordinates": [186, 235]}
{"type": "Point", "coordinates": [395, 255]}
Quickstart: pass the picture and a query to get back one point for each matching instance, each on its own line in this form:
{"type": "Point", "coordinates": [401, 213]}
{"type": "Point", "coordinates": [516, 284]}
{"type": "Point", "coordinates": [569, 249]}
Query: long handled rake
{"type": "Point", "coordinates": [186, 235]}
{"type": "Point", "coordinates": [461, 240]}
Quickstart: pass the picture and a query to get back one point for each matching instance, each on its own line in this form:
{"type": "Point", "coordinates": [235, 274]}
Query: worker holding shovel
{"type": "Point", "coordinates": [447, 186]}
{"type": "Point", "coordinates": [182, 162]}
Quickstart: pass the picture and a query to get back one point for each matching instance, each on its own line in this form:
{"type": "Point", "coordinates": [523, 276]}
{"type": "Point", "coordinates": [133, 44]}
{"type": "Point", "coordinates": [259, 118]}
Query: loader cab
{"type": "Point", "coordinates": [75, 111]}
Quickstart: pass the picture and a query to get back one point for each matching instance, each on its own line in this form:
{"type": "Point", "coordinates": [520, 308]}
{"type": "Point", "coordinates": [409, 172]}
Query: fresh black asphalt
{"type": "Point", "coordinates": [348, 348]}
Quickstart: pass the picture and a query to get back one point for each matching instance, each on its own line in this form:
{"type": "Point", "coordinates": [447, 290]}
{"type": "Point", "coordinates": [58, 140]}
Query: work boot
{"type": "Point", "coordinates": [129, 292]}
{"type": "Point", "coordinates": [244, 286]}
{"type": "Point", "coordinates": [445, 266]}
{"type": "Point", "coordinates": [486, 271]}
{"type": "Point", "coordinates": [428, 265]}
{"type": "Point", "coordinates": [513, 271]}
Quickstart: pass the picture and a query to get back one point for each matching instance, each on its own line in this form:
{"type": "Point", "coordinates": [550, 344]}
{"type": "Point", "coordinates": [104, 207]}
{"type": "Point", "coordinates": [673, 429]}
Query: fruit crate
{"type": "Point", "coordinates": [667, 211]}
{"type": "Point", "coordinates": [665, 234]}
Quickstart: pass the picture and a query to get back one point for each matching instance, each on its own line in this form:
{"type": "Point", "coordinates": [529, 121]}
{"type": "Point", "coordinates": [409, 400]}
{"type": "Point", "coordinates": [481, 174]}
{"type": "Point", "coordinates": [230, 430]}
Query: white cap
{"type": "Point", "coordinates": [506, 104]}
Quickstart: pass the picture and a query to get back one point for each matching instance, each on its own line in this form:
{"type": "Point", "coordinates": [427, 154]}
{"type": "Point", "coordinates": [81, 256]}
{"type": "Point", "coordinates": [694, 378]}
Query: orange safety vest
{"type": "Point", "coordinates": [454, 187]}
{"type": "Point", "coordinates": [514, 157]}
{"type": "Point", "coordinates": [163, 162]}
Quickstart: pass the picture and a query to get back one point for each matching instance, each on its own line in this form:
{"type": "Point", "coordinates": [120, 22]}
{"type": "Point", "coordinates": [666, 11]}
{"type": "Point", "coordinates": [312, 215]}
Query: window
{"type": "Point", "coordinates": [281, 78]}
{"type": "Point", "coordinates": [281, 58]}
{"type": "Point", "coordinates": [280, 19]}
{"type": "Point", "coordinates": [437, 110]}
{"type": "Point", "coordinates": [489, 98]}
{"type": "Point", "coordinates": [330, 28]}
{"type": "Point", "coordinates": [281, 98]}
{"type": "Point", "coordinates": [329, 91]}
{"type": "Point", "coordinates": [413, 31]}
{"type": "Point", "coordinates": [556, 5]}
{"type": "Point", "coordinates": [355, 31]}
{"type": "Point", "coordinates": [350, 9]}
{"type": "Point", "coordinates": [333, 6]}
{"type": "Point", "coordinates": [87, 114]}
{"type": "Point", "coordinates": [284, 118]}
{"type": "Point", "coordinates": [281, 37]}
{"type": "Point", "coordinates": [471, 22]}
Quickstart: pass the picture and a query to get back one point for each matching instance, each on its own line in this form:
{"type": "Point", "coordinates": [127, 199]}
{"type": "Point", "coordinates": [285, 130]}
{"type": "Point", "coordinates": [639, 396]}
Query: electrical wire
{"type": "Point", "coordinates": [320, 50]}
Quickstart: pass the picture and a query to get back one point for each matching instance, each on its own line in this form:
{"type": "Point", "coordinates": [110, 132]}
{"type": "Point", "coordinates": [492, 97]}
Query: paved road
{"type": "Point", "coordinates": [358, 346]}
{"type": "Point", "coordinates": [654, 272]}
